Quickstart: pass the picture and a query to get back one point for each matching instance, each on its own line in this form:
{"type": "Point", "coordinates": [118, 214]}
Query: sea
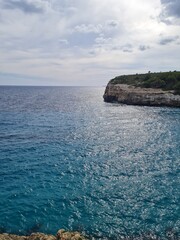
{"type": "Point", "coordinates": [69, 160]}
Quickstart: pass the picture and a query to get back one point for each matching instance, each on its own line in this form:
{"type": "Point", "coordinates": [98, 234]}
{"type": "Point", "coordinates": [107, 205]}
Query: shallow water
{"type": "Point", "coordinates": [70, 160]}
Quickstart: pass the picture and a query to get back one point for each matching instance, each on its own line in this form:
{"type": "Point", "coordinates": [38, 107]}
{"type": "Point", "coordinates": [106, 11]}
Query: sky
{"type": "Point", "coordinates": [86, 43]}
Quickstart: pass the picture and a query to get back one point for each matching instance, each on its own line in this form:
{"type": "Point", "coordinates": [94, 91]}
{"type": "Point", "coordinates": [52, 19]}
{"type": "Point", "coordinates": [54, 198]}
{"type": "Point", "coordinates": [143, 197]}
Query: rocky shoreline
{"type": "Point", "coordinates": [131, 95]}
{"type": "Point", "coordinates": [61, 235]}
{"type": "Point", "coordinates": [67, 235]}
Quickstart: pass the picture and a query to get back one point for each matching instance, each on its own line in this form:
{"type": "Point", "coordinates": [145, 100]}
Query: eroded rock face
{"type": "Point", "coordinates": [131, 95]}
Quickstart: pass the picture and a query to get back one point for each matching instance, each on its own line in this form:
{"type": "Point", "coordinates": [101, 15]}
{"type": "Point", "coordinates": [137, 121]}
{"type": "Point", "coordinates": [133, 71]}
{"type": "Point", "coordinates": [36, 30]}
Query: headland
{"type": "Point", "coordinates": [151, 89]}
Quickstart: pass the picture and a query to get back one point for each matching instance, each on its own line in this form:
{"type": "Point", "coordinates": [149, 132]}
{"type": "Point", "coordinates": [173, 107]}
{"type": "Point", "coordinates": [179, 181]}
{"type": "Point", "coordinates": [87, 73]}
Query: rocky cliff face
{"type": "Point", "coordinates": [132, 95]}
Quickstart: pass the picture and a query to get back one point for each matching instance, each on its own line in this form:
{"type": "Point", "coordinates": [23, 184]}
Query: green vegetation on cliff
{"type": "Point", "coordinates": [163, 80]}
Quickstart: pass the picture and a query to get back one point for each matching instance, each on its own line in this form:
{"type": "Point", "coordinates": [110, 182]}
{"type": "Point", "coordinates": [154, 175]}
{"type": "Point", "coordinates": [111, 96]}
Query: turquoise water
{"type": "Point", "coordinates": [70, 160]}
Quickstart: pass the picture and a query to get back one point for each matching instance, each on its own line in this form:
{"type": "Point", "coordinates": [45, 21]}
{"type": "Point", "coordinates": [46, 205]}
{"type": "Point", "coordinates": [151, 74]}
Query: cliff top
{"type": "Point", "coordinates": [161, 80]}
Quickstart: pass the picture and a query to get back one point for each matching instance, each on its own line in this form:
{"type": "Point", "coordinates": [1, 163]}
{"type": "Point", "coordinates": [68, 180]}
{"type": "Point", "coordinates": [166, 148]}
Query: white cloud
{"type": "Point", "coordinates": [83, 28]}
{"type": "Point", "coordinates": [102, 40]}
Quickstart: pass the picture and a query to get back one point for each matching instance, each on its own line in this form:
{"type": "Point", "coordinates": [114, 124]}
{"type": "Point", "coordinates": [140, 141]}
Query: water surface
{"type": "Point", "coordinates": [70, 160]}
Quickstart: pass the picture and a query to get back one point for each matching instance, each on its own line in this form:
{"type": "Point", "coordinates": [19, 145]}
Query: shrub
{"type": "Point", "coordinates": [177, 88]}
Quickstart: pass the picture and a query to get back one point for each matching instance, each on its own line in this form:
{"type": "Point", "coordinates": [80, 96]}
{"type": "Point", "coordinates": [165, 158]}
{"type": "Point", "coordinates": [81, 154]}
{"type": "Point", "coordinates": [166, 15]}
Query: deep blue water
{"type": "Point", "coordinates": [70, 160]}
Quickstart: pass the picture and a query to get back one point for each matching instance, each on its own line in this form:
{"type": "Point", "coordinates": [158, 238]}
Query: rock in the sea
{"type": "Point", "coordinates": [41, 236]}
{"type": "Point", "coordinates": [61, 235]}
{"type": "Point", "coordinates": [65, 235]}
{"type": "Point", "coordinates": [128, 94]}
{"type": "Point", "coordinates": [6, 236]}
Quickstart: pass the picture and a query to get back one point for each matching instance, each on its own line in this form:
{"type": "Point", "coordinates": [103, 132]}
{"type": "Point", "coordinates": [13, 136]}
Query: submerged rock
{"type": "Point", "coordinates": [128, 94]}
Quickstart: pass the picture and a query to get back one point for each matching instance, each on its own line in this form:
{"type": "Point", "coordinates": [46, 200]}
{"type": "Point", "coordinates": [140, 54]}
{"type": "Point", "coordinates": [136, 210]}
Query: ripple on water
{"type": "Point", "coordinates": [69, 160]}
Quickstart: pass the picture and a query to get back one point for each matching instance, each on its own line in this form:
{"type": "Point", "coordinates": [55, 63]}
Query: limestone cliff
{"type": "Point", "coordinates": [128, 94]}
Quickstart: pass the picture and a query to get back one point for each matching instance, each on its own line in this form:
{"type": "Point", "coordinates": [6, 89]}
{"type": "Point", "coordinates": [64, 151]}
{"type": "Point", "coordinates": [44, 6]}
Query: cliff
{"type": "Point", "coordinates": [133, 95]}
{"type": "Point", "coordinates": [159, 80]}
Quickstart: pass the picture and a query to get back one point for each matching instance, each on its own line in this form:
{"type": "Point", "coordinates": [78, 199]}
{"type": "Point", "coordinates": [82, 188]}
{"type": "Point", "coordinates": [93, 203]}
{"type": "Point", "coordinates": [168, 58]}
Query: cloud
{"type": "Point", "coordinates": [63, 41]}
{"type": "Point", "coordinates": [112, 23]}
{"type": "Point", "coordinates": [83, 28]}
{"type": "Point", "coordinates": [108, 25]}
{"type": "Point", "coordinates": [127, 48]}
{"type": "Point", "coordinates": [172, 7]}
{"type": "Point", "coordinates": [27, 6]}
{"type": "Point", "coordinates": [171, 11]}
{"type": "Point", "coordinates": [144, 47]}
{"type": "Point", "coordinates": [167, 40]}
{"type": "Point", "coordinates": [102, 40]}
{"type": "Point", "coordinates": [75, 41]}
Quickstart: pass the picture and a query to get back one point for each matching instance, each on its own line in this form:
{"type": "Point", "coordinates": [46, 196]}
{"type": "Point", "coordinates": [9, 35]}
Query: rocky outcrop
{"type": "Point", "coordinates": [65, 235]}
{"type": "Point", "coordinates": [128, 94]}
{"type": "Point", "coordinates": [61, 235]}
{"type": "Point", "coordinates": [6, 236]}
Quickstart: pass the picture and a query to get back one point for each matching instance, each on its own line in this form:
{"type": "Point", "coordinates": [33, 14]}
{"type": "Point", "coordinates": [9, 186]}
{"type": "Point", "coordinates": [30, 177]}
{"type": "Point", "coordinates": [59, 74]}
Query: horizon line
{"type": "Point", "coordinates": [9, 85]}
